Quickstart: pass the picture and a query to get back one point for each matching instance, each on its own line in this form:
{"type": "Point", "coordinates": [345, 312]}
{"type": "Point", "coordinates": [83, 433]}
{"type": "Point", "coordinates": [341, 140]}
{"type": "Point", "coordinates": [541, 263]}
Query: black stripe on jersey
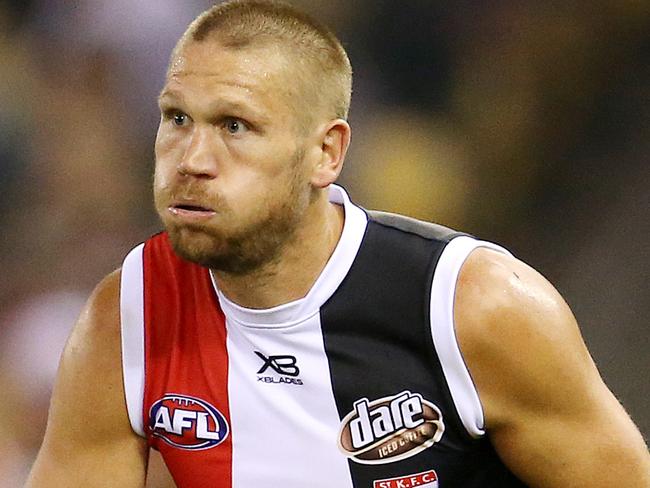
{"type": "Point", "coordinates": [377, 338]}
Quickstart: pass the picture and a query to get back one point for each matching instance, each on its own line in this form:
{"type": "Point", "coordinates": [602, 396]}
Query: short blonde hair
{"type": "Point", "coordinates": [321, 63]}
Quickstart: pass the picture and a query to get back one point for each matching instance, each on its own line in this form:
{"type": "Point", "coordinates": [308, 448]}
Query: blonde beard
{"type": "Point", "coordinates": [258, 244]}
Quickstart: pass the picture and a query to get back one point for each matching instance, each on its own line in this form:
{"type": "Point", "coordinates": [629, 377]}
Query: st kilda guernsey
{"type": "Point", "coordinates": [361, 383]}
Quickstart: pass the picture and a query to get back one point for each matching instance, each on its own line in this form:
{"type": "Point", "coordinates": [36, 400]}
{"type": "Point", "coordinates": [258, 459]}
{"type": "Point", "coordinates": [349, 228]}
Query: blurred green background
{"type": "Point", "coordinates": [524, 123]}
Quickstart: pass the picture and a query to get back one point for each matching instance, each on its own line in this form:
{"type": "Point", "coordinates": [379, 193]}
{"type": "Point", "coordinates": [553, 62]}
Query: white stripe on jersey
{"type": "Point", "coordinates": [132, 325]}
{"type": "Point", "coordinates": [443, 290]}
{"type": "Point", "coordinates": [270, 421]}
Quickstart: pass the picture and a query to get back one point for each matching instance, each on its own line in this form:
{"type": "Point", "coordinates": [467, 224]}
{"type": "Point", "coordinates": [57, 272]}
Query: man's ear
{"type": "Point", "coordinates": [335, 139]}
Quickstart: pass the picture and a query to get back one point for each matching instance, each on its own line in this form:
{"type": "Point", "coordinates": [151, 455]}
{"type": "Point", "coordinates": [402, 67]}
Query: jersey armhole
{"type": "Point", "coordinates": [443, 292]}
{"type": "Point", "coordinates": [132, 328]}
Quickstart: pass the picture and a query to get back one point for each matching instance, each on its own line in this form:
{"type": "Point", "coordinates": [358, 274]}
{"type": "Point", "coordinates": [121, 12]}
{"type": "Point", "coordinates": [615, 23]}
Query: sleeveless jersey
{"type": "Point", "coordinates": [359, 384]}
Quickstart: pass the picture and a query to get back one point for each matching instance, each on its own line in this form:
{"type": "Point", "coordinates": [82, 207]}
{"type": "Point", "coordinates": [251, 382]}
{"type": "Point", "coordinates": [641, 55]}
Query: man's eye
{"type": "Point", "coordinates": [179, 119]}
{"type": "Point", "coordinates": [235, 126]}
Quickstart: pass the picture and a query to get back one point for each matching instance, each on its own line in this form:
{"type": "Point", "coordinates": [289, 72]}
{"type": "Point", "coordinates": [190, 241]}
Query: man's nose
{"type": "Point", "coordinates": [200, 158]}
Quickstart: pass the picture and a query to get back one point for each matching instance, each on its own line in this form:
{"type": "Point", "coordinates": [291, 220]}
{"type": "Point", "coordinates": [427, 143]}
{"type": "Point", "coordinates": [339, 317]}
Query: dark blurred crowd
{"type": "Point", "coordinates": [525, 123]}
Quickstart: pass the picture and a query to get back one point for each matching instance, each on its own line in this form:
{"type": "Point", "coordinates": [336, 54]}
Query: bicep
{"type": "Point", "coordinates": [108, 465]}
{"type": "Point", "coordinates": [88, 440]}
{"type": "Point", "coordinates": [548, 413]}
{"type": "Point", "coordinates": [560, 425]}
{"type": "Point", "coordinates": [573, 446]}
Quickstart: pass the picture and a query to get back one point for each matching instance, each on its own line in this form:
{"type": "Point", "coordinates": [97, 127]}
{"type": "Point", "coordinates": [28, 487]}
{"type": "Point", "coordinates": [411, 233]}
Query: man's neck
{"type": "Point", "coordinates": [300, 263]}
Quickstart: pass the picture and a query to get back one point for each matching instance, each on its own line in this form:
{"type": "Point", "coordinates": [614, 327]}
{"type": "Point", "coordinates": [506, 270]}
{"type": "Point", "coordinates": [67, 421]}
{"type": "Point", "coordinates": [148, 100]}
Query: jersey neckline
{"type": "Point", "coordinates": [337, 267]}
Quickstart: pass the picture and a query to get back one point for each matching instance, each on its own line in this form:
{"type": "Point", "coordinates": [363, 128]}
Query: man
{"type": "Point", "coordinates": [277, 335]}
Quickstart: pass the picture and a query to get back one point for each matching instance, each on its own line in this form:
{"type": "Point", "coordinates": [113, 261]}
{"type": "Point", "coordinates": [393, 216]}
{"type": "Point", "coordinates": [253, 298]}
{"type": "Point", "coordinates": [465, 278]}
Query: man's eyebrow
{"type": "Point", "coordinates": [217, 106]}
{"type": "Point", "coordinates": [247, 110]}
{"type": "Point", "coordinates": [167, 93]}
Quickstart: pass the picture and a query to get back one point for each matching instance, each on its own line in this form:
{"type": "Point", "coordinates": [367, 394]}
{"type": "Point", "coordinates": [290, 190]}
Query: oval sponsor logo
{"type": "Point", "coordinates": [187, 422]}
{"type": "Point", "coordinates": [390, 429]}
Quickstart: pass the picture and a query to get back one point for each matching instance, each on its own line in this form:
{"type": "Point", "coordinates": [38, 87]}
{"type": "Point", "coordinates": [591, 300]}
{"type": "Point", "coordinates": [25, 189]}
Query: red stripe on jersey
{"type": "Point", "coordinates": [186, 407]}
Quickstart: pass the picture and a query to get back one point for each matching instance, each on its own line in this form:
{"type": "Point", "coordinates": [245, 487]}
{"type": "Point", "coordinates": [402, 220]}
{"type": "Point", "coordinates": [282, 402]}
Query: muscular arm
{"type": "Point", "coordinates": [89, 441]}
{"type": "Point", "coordinates": [547, 411]}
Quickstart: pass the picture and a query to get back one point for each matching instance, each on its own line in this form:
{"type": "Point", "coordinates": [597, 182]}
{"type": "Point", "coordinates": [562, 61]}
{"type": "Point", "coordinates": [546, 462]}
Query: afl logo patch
{"type": "Point", "coordinates": [187, 422]}
{"type": "Point", "coordinates": [390, 428]}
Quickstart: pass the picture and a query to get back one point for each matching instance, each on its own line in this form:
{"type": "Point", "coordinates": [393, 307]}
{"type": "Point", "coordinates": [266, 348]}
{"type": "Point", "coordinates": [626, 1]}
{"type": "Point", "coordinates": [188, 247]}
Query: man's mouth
{"type": "Point", "coordinates": [190, 211]}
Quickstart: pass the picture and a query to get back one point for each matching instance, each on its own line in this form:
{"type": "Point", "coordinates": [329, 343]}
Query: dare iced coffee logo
{"type": "Point", "coordinates": [390, 428]}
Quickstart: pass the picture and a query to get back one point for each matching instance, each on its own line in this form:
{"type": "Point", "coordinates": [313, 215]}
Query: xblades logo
{"type": "Point", "coordinates": [284, 365]}
{"type": "Point", "coordinates": [280, 364]}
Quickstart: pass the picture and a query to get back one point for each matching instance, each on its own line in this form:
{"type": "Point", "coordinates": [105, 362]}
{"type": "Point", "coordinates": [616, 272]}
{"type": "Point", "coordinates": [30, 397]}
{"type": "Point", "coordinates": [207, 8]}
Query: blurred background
{"type": "Point", "coordinates": [524, 123]}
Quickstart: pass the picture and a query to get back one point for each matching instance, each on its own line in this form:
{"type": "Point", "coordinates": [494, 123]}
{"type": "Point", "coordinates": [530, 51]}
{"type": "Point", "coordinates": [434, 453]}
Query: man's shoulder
{"type": "Point", "coordinates": [503, 307]}
{"type": "Point", "coordinates": [92, 352]}
{"type": "Point", "coordinates": [493, 283]}
{"type": "Point", "coordinates": [107, 291]}
{"type": "Point", "coordinates": [99, 323]}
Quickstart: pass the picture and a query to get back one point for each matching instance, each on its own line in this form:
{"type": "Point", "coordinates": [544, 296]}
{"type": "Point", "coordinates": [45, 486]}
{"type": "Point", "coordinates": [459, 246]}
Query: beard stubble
{"type": "Point", "coordinates": [254, 245]}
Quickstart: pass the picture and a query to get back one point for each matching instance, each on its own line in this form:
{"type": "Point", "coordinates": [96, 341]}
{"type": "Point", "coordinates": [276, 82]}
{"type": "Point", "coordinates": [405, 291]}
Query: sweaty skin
{"type": "Point", "coordinates": [547, 411]}
{"type": "Point", "coordinates": [89, 441]}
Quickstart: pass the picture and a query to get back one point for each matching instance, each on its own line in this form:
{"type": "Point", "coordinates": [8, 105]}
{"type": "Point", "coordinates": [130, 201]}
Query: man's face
{"type": "Point", "coordinates": [231, 183]}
